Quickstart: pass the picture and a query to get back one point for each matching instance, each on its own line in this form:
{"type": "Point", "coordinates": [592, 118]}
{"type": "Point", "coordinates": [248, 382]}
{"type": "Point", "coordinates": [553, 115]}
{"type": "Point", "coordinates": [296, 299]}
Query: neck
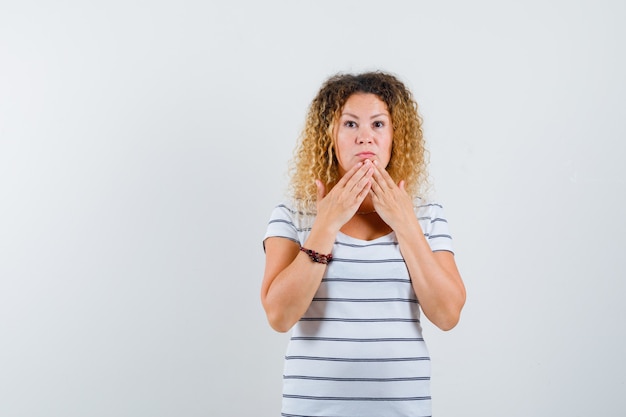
{"type": "Point", "coordinates": [366, 207]}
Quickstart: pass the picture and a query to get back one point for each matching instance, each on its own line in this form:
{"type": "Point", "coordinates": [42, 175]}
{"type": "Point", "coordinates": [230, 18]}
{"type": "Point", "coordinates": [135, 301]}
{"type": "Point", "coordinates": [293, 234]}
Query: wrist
{"type": "Point", "coordinates": [317, 257]}
{"type": "Point", "coordinates": [324, 230]}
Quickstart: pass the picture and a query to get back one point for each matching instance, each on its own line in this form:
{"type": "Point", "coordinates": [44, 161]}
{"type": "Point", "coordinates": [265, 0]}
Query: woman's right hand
{"type": "Point", "coordinates": [291, 279]}
{"type": "Point", "coordinates": [339, 205]}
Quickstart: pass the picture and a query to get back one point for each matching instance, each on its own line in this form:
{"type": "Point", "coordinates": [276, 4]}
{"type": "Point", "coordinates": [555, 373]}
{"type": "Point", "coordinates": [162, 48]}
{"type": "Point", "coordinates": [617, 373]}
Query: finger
{"type": "Point", "coordinates": [382, 176]}
{"type": "Point", "coordinates": [379, 184]}
{"type": "Point", "coordinates": [378, 193]}
{"type": "Point", "coordinates": [357, 180]}
{"type": "Point", "coordinates": [376, 188]}
{"type": "Point", "coordinates": [364, 180]}
{"type": "Point", "coordinates": [349, 174]}
{"type": "Point", "coordinates": [364, 192]}
{"type": "Point", "coordinates": [360, 191]}
{"type": "Point", "coordinates": [378, 178]}
{"type": "Point", "coordinates": [363, 186]}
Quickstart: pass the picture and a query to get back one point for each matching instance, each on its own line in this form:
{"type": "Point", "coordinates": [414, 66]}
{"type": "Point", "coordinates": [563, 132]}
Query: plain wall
{"type": "Point", "coordinates": [143, 145]}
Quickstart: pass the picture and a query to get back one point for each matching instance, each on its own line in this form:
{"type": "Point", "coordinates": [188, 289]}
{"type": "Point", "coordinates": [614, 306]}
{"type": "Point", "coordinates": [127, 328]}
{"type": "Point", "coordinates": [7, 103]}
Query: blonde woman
{"type": "Point", "coordinates": [356, 254]}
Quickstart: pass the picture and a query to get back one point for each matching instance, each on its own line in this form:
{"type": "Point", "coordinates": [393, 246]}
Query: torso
{"type": "Point", "coordinates": [359, 349]}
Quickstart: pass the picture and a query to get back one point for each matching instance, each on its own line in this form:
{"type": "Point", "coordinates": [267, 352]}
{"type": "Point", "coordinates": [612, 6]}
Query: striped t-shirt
{"type": "Point", "coordinates": [358, 350]}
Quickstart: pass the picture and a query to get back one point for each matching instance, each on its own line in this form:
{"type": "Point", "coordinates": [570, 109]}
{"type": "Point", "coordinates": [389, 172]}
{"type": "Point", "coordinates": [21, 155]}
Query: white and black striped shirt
{"type": "Point", "coordinates": [358, 350]}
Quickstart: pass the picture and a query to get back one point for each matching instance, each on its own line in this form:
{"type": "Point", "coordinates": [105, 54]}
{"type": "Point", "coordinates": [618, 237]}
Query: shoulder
{"type": "Point", "coordinates": [434, 224]}
{"type": "Point", "coordinates": [289, 221]}
{"type": "Point", "coordinates": [428, 209]}
{"type": "Point", "coordinates": [284, 208]}
{"type": "Point", "coordinates": [292, 210]}
{"type": "Point", "coordinates": [290, 214]}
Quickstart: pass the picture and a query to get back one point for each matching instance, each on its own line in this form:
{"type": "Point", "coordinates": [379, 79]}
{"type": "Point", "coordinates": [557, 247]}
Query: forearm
{"type": "Point", "coordinates": [434, 277]}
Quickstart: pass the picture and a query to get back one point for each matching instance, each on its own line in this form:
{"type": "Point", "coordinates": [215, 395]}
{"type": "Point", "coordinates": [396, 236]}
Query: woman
{"type": "Point", "coordinates": [356, 254]}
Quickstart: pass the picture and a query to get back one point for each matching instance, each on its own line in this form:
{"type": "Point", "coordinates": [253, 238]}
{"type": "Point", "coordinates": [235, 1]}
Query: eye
{"type": "Point", "coordinates": [349, 123]}
{"type": "Point", "coordinates": [378, 124]}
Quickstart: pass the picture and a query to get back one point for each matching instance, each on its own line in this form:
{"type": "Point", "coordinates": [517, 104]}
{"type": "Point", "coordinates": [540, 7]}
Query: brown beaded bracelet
{"type": "Point", "coordinates": [317, 257]}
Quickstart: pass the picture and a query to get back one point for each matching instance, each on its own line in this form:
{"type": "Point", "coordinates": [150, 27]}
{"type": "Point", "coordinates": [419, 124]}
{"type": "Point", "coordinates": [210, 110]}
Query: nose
{"type": "Point", "coordinates": [364, 136]}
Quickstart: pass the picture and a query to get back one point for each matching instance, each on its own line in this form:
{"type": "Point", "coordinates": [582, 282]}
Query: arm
{"type": "Point", "coordinates": [291, 278]}
{"type": "Point", "coordinates": [434, 275]}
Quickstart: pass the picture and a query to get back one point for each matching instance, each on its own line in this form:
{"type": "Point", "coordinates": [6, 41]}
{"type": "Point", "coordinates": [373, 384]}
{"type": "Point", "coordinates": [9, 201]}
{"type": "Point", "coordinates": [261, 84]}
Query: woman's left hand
{"type": "Point", "coordinates": [434, 275]}
{"type": "Point", "coordinates": [391, 201]}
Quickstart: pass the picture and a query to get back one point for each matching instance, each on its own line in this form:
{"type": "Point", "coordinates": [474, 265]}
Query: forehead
{"type": "Point", "coordinates": [365, 102]}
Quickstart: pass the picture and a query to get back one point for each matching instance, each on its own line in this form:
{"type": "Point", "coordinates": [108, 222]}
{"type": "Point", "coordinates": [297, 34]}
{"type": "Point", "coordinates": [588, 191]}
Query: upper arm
{"type": "Point", "coordinates": [446, 260]}
{"type": "Point", "coordinates": [279, 254]}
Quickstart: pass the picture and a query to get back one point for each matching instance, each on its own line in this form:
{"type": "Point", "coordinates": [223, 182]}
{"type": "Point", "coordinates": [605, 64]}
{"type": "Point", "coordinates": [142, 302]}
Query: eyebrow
{"type": "Point", "coordinates": [373, 117]}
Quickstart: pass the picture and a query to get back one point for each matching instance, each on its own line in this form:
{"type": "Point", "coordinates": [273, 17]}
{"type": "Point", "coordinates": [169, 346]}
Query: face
{"type": "Point", "coordinates": [363, 131]}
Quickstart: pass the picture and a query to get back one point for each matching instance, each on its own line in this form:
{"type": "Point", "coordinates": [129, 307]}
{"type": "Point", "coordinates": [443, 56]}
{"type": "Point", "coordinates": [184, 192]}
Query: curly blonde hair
{"type": "Point", "coordinates": [315, 156]}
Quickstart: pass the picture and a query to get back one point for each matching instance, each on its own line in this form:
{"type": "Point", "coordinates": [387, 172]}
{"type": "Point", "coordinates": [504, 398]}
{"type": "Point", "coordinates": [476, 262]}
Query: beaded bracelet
{"type": "Point", "coordinates": [317, 257]}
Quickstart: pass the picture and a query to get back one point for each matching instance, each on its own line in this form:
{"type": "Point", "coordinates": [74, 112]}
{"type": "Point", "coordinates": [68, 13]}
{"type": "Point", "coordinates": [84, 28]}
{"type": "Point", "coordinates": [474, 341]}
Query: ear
{"type": "Point", "coordinates": [321, 189]}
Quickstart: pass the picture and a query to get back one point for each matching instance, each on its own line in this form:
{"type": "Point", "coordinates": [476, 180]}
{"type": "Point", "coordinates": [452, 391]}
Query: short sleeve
{"type": "Point", "coordinates": [435, 227]}
{"type": "Point", "coordinates": [281, 224]}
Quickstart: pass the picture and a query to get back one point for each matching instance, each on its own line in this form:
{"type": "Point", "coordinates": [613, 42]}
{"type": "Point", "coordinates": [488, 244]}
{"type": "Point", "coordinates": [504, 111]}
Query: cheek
{"type": "Point", "coordinates": [338, 151]}
{"type": "Point", "coordinates": [340, 145]}
{"type": "Point", "coordinates": [389, 143]}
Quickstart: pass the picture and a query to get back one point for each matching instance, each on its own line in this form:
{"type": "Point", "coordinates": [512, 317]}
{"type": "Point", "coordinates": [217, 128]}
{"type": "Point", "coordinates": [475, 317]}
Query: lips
{"type": "Point", "coordinates": [365, 155]}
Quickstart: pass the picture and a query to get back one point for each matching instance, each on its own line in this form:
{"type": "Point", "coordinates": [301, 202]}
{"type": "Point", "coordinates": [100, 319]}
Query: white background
{"type": "Point", "coordinates": [143, 145]}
